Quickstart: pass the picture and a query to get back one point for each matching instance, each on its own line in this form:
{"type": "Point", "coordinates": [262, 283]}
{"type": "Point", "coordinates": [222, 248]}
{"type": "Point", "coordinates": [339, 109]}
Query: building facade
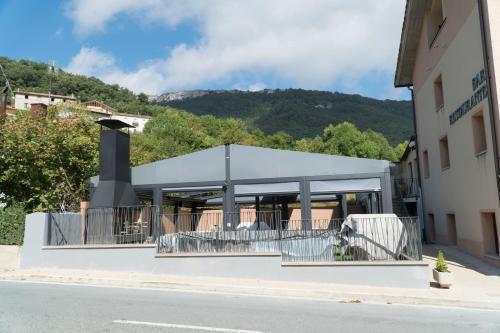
{"type": "Point", "coordinates": [443, 52]}
{"type": "Point", "coordinates": [23, 100]}
{"type": "Point", "coordinates": [105, 111]}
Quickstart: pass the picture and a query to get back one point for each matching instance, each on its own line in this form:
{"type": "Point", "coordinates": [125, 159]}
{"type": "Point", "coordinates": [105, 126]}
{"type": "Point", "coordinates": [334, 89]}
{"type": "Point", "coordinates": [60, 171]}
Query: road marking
{"type": "Point", "coordinates": [189, 327]}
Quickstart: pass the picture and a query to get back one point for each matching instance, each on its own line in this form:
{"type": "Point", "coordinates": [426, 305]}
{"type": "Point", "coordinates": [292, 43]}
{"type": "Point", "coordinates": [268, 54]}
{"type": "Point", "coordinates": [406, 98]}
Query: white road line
{"type": "Point", "coordinates": [189, 327]}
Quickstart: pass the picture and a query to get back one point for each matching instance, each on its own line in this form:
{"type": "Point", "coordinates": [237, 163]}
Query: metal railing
{"type": "Point", "coordinates": [353, 239]}
{"type": "Point", "coordinates": [63, 229]}
{"type": "Point", "coordinates": [357, 238]}
{"type": "Point", "coordinates": [118, 225]}
{"type": "Point", "coordinates": [406, 187]}
{"type": "Point", "coordinates": [210, 221]}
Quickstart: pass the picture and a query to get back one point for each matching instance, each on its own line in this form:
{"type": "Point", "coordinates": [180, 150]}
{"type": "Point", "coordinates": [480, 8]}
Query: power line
{"type": "Point", "coordinates": [6, 80]}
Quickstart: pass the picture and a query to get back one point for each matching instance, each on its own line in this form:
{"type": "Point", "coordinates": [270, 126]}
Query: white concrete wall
{"type": "Point", "coordinates": [139, 122]}
{"type": "Point", "coordinates": [468, 187]}
{"type": "Point", "coordinates": [253, 267]}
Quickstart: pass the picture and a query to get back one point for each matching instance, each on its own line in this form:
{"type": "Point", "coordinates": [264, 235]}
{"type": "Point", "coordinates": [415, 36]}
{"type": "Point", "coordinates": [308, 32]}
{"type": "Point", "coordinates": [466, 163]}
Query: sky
{"type": "Point", "coordinates": [157, 46]}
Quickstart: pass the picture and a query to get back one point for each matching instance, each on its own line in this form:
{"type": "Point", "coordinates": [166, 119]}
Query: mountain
{"type": "Point", "coordinates": [301, 113]}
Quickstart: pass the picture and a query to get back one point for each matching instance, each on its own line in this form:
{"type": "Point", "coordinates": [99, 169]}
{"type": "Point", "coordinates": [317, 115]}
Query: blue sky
{"type": "Point", "coordinates": [155, 46]}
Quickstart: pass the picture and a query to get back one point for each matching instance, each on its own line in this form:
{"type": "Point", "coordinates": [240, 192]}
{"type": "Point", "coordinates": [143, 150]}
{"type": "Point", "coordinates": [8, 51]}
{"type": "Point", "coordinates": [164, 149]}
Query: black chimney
{"type": "Point", "coordinates": [114, 188]}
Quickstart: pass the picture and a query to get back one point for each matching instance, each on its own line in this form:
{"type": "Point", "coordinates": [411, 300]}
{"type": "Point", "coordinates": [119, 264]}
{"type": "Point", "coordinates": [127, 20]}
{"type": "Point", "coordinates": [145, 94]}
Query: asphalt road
{"type": "Point", "coordinates": [30, 307]}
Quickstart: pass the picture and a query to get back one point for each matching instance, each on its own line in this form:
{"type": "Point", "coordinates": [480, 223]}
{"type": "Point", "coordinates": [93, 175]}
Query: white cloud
{"type": "Point", "coordinates": [312, 44]}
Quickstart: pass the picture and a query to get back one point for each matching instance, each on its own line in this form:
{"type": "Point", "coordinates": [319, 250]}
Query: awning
{"type": "Point", "coordinates": [271, 188]}
{"type": "Point", "coordinates": [346, 186]}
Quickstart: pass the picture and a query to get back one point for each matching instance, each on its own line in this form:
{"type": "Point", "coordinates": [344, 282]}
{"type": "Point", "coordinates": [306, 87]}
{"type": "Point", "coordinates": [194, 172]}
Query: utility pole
{"type": "Point", "coordinates": [3, 97]}
{"type": "Point", "coordinates": [51, 69]}
{"type": "Point", "coordinates": [6, 81]}
{"type": "Point", "coordinates": [3, 104]}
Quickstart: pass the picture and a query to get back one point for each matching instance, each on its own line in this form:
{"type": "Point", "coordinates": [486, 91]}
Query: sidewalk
{"type": "Point", "coordinates": [477, 285]}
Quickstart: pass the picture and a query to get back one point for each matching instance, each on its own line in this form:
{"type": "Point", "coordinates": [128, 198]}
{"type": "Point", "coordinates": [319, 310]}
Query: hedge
{"type": "Point", "coordinates": [12, 225]}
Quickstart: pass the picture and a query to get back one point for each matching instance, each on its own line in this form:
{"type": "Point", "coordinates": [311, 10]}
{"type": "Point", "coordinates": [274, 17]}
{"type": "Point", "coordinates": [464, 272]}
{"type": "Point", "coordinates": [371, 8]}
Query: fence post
{"type": "Point", "coordinates": [48, 227]}
{"type": "Point", "coordinates": [84, 205]}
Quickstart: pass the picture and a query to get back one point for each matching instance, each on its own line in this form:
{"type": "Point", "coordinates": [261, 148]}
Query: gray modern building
{"type": "Point", "coordinates": [231, 175]}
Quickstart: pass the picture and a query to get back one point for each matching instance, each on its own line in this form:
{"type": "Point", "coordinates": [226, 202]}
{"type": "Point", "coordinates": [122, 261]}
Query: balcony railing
{"type": "Point", "coordinates": [406, 187]}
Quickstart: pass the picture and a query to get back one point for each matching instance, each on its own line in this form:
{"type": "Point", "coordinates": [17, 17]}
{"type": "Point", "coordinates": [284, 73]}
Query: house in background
{"type": "Point", "coordinates": [23, 99]}
{"type": "Point", "coordinates": [450, 55]}
{"type": "Point", "coordinates": [106, 111]}
{"type": "Point", "coordinates": [31, 100]}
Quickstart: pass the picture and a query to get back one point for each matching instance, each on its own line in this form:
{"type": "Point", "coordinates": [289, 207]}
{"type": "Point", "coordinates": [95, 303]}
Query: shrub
{"type": "Point", "coordinates": [12, 225]}
{"type": "Point", "coordinates": [441, 265]}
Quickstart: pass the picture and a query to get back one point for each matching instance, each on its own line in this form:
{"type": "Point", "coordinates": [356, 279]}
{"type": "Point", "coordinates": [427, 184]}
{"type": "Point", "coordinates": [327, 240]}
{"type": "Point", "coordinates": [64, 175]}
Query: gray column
{"type": "Point", "coordinates": [305, 205]}
{"type": "Point", "coordinates": [228, 207]}
{"type": "Point", "coordinates": [257, 210]}
{"type": "Point", "coordinates": [158, 203]}
{"type": "Point", "coordinates": [386, 199]}
{"type": "Point", "coordinates": [176, 216]}
{"type": "Point", "coordinates": [228, 201]}
{"type": "Point", "coordinates": [343, 204]}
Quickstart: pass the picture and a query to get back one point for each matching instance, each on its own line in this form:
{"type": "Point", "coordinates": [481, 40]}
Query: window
{"type": "Point", "coordinates": [52, 99]}
{"type": "Point", "coordinates": [25, 96]}
{"type": "Point", "coordinates": [444, 152]}
{"type": "Point", "coordinates": [26, 105]}
{"type": "Point", "coordinates": [452, 229]}
{"type": "Point", "coordinates": [478, 133]}
{"type": "Point", "coordinates": [435, 21]}
{"type": "Point", "coordinates": [426, 164]}
{"type": "Point", "coordinates": [490, 233]}
{"type": "Point", "coordinates": [438, 93]}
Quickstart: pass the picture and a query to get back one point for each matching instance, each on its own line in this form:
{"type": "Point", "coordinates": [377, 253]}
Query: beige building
{"type": "Point", "coordinates": [23, 99]}
{"type": "Point", "coordinates": [444, 44]}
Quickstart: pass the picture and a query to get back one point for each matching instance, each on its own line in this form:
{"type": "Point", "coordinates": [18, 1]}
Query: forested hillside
{"type": "Point", "coordinates": [45, 160]}
{"type": "Point", "coordinates": [301, 113]}
{"type": "Point", "coordinates": [36, 76]}
{"type": "Point", "coordinates": [304, 113]}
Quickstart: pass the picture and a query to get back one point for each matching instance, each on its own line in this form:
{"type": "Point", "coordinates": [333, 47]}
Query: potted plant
{"type": "Point", "coordinates": [441, 273]}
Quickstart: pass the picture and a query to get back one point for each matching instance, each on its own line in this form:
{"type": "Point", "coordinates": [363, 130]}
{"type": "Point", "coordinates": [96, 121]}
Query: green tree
{"type": "Point", "coordinates": [46, 162]}
{"type": "Point", "coordinates": [142, 98]}
{"type": "Point", "coordinates": [400, 150]}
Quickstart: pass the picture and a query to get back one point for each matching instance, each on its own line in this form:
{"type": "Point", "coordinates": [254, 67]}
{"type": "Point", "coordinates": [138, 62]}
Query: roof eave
{"type": "Point", "coordinates": [410, 37]}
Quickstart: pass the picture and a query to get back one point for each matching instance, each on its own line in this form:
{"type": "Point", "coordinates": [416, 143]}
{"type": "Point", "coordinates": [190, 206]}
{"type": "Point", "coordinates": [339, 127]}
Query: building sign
{"type": "Point", "coordinates": [480, 90]}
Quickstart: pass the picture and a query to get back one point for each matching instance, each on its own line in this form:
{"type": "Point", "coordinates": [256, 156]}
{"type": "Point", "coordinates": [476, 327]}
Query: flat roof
{"type": "Point", "coordinates": [251, 165]}
{"type": "Point", "coordinates": [43, 94]}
